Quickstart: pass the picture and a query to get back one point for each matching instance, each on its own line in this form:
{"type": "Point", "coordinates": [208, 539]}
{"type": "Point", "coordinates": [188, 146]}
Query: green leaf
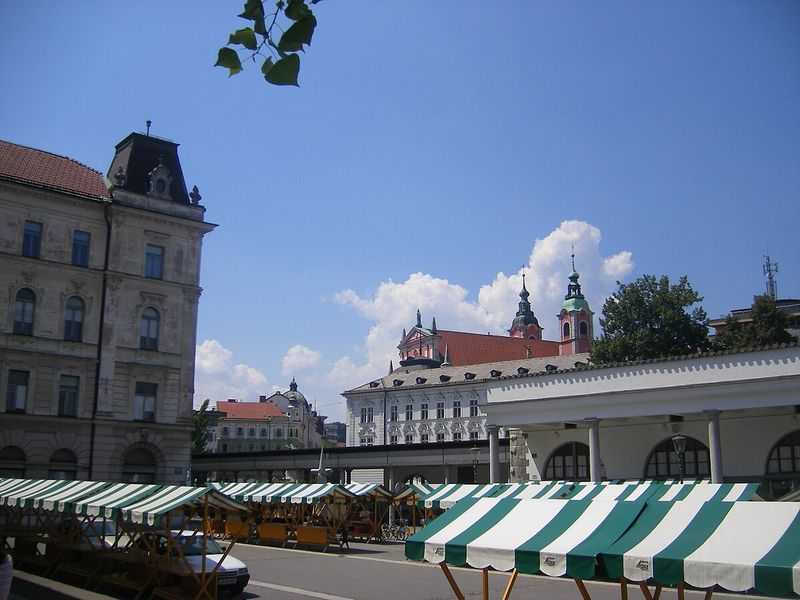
{"type": "Point", "coordinates": [268, 64]}
{"type": "Point", "coordinates": [246, 37]}
{"type": "Point", "coordinates": [284, 71]}
{"type": "Point", "coordinates": [296, 10]}
{"type": "Point", "coordinates": [298, 34]}
{"type": "Point", "coordinates": [253, 9]}
{"type": "Point", "coordinates": [228, 59]}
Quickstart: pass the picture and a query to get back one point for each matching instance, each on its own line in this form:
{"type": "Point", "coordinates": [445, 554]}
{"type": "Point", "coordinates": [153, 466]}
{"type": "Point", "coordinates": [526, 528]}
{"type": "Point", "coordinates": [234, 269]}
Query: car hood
{"type": "Point", "coordinates": [231, 563]}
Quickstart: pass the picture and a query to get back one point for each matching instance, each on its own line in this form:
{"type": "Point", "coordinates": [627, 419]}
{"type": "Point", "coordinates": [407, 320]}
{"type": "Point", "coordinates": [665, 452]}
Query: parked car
{"type": "Point", "coordinates": [232, 574]}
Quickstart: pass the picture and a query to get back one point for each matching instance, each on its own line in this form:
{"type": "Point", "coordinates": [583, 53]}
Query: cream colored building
{"type": "Point", "coordinates": [99, 289]}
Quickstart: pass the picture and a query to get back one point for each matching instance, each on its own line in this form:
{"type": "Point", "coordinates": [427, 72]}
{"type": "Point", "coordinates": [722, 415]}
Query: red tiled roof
{"type": "Point", "coordinates": [476, 348]}
{"type": "Point", "coordinates": [36, 167]}
{"type": "Point", "coordinates": [249, 410]}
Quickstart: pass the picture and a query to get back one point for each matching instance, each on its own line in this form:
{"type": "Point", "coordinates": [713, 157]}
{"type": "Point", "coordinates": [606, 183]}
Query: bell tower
{"type": "Point", "coordinates": [575, 319]}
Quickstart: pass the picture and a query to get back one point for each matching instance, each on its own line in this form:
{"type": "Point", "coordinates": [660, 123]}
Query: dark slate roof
{"type": "Point", "coordinates": [26, 165]}
{"type": "Point", "coordinates": [403, 379]}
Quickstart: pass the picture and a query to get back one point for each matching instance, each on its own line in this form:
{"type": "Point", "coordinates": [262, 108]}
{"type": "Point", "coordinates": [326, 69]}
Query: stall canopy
{"type": "Point", "coordinates": [299, 493]}
{"type": "Point", "coordinates": [369, 489]}
{"type": "Point", "coordinates": [548, 536]}
{"type": "Point", "coordinates": [447, 495]}
{"type": "Point", "coordinates": [736, 545]}
{"type": "Point", "coordinates": [151, 508]}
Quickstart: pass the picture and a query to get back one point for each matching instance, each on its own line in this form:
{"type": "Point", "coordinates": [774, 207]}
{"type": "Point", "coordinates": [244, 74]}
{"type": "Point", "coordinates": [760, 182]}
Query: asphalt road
{"type": "Point", "coordinates": [367, 572]}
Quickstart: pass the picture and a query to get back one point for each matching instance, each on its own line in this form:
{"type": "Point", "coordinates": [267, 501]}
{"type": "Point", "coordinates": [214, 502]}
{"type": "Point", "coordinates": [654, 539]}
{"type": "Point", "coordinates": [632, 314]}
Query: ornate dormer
{"type": "Point", "coordinates": [419, 348]}
{"type": "Point", "coordinates": [525, 323]}
{"type": "Point", "coordinates": [159, 181]}
{"type": "Point", "coordinates": [575, 318]}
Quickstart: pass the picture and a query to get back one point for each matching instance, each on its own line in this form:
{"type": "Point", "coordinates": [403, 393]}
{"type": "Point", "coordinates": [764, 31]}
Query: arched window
{"type": "Point", "coordinates": [63, 465]}
{"type": "Point", "coordinates": [23, 312]}
{"type": "Point", "coordinates": [570, 461]}
{"type": "Point", "coordinates": [783, 465]}
{"type": "Point", "coordinates": [12, 462]}
{"type": "Point", "coordinates": [148, 336]}
{"type": "Point", "coordinates": [139, 466]}
{"type": "Point", "coordinates": [566, 330]}
{"type": "Point", "coordinates": [663, 461]}
{"type": "Point", "coordinates": [73, 320]}
{"type": "Point", "coordinates": [583, 328]}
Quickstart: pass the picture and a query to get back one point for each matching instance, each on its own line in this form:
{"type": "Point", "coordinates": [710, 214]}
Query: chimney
{"type": "Point", "coordinates": [231, 399]}
{"type": "Point", "coordinates": [262, 398]}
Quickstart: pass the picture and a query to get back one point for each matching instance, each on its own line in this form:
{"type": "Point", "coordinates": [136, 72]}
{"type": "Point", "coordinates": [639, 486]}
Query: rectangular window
{"type": "Point", "coordinates": [423, 412]}
{"type": "Point", "coordinates": [393, 439]}
{"type": "Point", "coordinates": [226, 431]}
{"type": "Point", "coordinates": [363, 414]}
{"type": "Point", "coordinates": [409, 412]}
{"type": "Point", "coordinates": [367, 441]}
{"type": "Point", "coordinates": [473, 435]}
{"type": "Point", "coordinates": [370, 415]}
{"type": "Point", "coordinates": [456, 436]}
{"type": "Point", "coordinates": [439, 437]}
{"type": "Point", "coordinates": [154, 262]}
{"type": "Point", "coordinates": [144, 402]}
{"type": "Point", "coordinates": [456, 409]}
{"type": "Point", "coordinates": [473, 407]}
{"type": "Point", "coordinates": [440, 410]}
{"type": "Point", "coordinates": [393, 412]}
{"type": "Point", "coordinates": [251, 432]}
{"type": "Point", "coordinates": [409, 439]}
{"type": "Point", "coordinates": [240, 432]}
{"type": "Point", "coordinates": [423, 438]}
{"type": "Point", "coordinates": [263, 432]}
{"type": "Point", "coordinates": [32, 239]}
{"type": "Point", "coordinates": [68, 396]}
{"type": "Point", "coordinates": [279, 432]}
{"type": "Point", "coordinates": [17, 395]}
{"type": "Point", "coordinates": [80, 248]}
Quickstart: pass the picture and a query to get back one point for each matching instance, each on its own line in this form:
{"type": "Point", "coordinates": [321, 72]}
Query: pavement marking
{"type": "Point", "coordinates": [300, 592]}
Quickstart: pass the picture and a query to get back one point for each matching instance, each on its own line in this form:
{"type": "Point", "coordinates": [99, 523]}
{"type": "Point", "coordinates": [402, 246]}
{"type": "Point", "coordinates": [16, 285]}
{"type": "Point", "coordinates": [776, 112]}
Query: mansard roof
{"type": "Point", "coordinates": [30, 166]}
{"type": "Point", "coordinates": [472, 373]}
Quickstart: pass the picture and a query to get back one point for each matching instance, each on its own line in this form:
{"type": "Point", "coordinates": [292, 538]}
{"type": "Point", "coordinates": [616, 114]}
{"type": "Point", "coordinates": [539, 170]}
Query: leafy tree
{"type": "Point", "coordinates": [281, 62]}
{"type": "Point", "coordinates": [650, 318]}
{"type": "Point", "coordinates": [200, 433]}
{"type": "Point", "coordinates": [766, 325]}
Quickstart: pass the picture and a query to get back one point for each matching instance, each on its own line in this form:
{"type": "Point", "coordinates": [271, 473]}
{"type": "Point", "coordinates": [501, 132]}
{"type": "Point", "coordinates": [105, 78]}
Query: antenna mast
{"type": "Point", "coordinates": [770, 270]}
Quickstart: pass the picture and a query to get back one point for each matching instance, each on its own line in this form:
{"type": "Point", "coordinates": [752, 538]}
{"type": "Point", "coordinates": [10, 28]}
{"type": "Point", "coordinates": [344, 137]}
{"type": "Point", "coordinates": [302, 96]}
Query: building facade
{"type": "Point", "coordinates": [99, 289]}
{"type": "Point", "coordinates": [278, 422]}
{"type": "Point", "coordinates": [436, 394]}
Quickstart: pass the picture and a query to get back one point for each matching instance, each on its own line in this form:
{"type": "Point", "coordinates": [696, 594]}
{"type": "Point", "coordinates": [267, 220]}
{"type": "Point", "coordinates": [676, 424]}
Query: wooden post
{"type": "Point", "coordinates": [485, 584]}
{"type": "Point", "coordinates": [680, 591]}
{"type": "Point", "coordinates": [709, 593]}
{"type": "Point", "coordinates": [657, 595]}
{"type": "Point", "coordinates": [451, 581]}
{"type": "Point", "coordinates": [623, 588]}
{"type": "Point", "coordinates": [645, 590]}
{"type": "Point", "coordinates": [582, 588]}
{"type": "Point", "coordinates": [510, 586]}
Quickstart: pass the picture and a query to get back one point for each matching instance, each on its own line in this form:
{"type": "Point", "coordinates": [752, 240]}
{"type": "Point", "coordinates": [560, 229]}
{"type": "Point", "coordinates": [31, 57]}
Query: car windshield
{"type": "Point", "coordinates": [193, 546]}
{"type": "Point", "coordinates": [99, 528]}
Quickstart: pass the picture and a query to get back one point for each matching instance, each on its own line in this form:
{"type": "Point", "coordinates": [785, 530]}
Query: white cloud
{"type": "Point", "coordinates": [393, 306]}
{"type": "Point", "coordinates": [300, 358]}
{"type": "Point", "coordinates": [218, 379]}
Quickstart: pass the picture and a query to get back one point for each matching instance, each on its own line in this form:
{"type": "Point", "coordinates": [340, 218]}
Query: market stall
{"type": "Point", "coordinates": [370, 510]}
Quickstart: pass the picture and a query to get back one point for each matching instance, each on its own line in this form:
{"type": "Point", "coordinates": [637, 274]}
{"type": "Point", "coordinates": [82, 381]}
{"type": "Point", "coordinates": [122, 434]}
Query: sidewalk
{"type": "Point", "coordinates": [26, 586]}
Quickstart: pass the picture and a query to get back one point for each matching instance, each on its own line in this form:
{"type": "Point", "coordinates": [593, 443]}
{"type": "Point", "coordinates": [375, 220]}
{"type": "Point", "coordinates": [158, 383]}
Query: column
{"type": "Point", "coordinates": [594, 449]}
{"type": "Point", "coordinates": [446, 473]}
{"type": "Point", "coordinates": [714, 446]}
{"type": "Point", "coordinates": [342, 475]}
{"type": "Point", "coordinates": [390, 478]}
{"type": "Point", "coordinates": [494, 454]}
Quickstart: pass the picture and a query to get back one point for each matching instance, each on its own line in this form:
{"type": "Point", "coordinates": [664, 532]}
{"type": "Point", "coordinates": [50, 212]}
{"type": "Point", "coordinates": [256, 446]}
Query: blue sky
{"type": "Point", "coordinates": [432, 150]}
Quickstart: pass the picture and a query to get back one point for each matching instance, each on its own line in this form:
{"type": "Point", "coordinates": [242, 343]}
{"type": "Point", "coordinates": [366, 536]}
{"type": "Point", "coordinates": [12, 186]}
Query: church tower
{"type": "Point", "coordinates": [525, 324]}
{"type": "Point", "coordinates": [575, 318]}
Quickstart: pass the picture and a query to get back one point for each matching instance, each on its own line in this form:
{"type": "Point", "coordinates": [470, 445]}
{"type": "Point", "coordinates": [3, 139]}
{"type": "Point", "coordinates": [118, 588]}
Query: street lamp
{"type": "Point", "coordinates": [475, 452]}
{"type": "Point", "coordinates": [679, 442]}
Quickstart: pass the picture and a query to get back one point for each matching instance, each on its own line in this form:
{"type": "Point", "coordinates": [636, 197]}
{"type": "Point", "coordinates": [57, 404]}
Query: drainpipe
{"type": "Point", "coordinates": [104, 290]}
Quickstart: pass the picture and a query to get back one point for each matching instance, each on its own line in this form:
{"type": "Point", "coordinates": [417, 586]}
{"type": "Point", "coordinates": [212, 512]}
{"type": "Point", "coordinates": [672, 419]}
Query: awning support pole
{"type": "Point", "coordinates": [623, 588]}
{"type": "Point", "coordinates": [709, 593]}
{"type": "Point", "coordinates": [680, 591]}
{"type": "Point", "coordinates": [485, 584]}
{"type": "Point", "coordinates": [645, 590]}
{"type": "Point", "coordinates": [582, 589]}
{"type": "Point", "coordinates": [451, 581]}
{"type": "Point", "coordinates": [657, 594]}
{"type": "Point", "coordinates": [510, 586]}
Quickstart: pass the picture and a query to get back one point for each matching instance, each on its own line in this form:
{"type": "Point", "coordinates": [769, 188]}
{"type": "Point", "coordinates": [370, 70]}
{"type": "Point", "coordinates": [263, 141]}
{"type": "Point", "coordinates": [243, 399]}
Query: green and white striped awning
{"type": "Point", "coordinates": [553, 537]}
{"type": "Point", "coordinates": [722, 492]}
{"type": "Point", "coordinates": [369, 489]}
{"type": "Point", "coordinates": [18, 494]}
{"type": "Point", "coordinates": [736, 545]}
{"type": "Point", "coordinates": [447, 495]}
{"type": "Point", "coordinates": [416, 491]}
{"type": "Point", "coordinates": [151, 508]}
{"type": "Point", "coordinates": [71, 491]}
{"type": "Point", "coordinates": [107, 501]}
